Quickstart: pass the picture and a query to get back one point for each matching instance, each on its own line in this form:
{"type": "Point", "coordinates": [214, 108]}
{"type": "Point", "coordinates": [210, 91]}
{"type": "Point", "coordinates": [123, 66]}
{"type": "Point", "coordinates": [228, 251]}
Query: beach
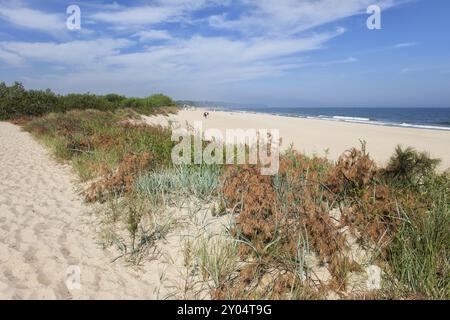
{"type": "Point", "coordinates": [50, 242]}
{"type": "Point", "coordinates": [322, 137]}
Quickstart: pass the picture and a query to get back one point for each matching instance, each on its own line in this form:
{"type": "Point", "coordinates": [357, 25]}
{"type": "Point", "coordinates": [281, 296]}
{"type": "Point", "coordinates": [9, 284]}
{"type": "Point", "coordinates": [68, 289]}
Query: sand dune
{"type": "Point", "coordinates": [46, 228]}
{"type": "Point", "coordinates": [316, 136]}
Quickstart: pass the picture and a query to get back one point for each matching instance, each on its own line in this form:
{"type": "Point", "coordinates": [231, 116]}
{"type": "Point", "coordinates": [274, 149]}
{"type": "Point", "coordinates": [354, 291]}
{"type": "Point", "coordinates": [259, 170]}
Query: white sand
{"type": "Point", "coordinates": [315, 136]}
{"type": "Point", "coordinates": [45, 228]}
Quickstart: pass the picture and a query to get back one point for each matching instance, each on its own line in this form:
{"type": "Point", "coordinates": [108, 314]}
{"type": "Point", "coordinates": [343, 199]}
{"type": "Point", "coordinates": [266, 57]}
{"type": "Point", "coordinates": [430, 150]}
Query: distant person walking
{"type": "Point", "coordinates": [206, 115]}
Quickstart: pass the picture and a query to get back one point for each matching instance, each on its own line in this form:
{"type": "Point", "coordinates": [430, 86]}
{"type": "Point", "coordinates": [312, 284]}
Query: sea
{"type": "Point", "coordinates": [421, 118]}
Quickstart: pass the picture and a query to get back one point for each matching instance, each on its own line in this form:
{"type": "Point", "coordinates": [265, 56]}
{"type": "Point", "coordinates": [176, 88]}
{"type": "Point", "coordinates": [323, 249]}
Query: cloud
{"type": "Point", "coordinates": [219, 59]}
{"type": "Point", "coordinates": [404, 45]}
{"type": "Point", "coordinates": [152, 35]}
{"type": "Point", "coordinates": [405, 70]}
{"type": "Point", "coordinates": [32, 19]}
{"type": "Point", "coordinates": [135, 16]}
{"type": "Point", "coordinates": [159, 12]}
{"type": "Point", "coordinates": [268, 40]}
{"type": "Point", "coordinates": [196, 62]}
{"type": "Point", "coordinates": [292, 16]}
{"type": "Point", "coordinates": [74, 53]}
{"type": "Point", "coordinates": [10, 58]}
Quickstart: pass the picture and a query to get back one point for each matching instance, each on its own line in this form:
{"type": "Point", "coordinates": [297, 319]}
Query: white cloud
{"type": "Point", "coordinates": [135, 16]}
{"type": "Point", "coordinates": [405, 70]}
{"type": "Point", "coordinates": [10, 58]}
{"type": "Point", "coordinates": [32, 19]}
{"type": "Point", "coordinates": [404, 45]}
{"type": "Point", "coordinates": [200, 61]}
{"type": "Point", "coordinates": [273, 38]}
{"type": "Point", "coordinates": [160, 11]}
{"type": "Point", "coordinates": [292, 16]}
{"type": "Point", "coordinates": [152, 35]}
{"type": "Point", "coordinates": [74, 53]}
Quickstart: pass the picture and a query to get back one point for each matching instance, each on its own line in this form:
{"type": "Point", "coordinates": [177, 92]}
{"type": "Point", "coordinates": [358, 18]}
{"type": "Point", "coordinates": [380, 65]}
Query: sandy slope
{"type": "Point", "coordinates": [316, 136]}
{"type": "Point", "coordinates": [44, 229]}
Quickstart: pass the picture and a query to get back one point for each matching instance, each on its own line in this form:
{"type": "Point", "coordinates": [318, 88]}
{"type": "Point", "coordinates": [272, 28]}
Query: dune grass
{"type": "Point", "coordinates": [400, 212]}
{"type": "Point", "coordinates": [180, 183]}
{"type": "Point", "coordinates": [419, 253]}
{"type": "Point", "coordinates": [98, 141]}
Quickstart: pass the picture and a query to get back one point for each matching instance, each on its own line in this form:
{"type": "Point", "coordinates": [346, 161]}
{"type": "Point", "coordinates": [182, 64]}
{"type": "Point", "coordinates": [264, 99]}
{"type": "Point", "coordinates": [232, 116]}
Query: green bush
{"type": "Point", "coordinates": [419, 255]}
{"type": "Point", "coordinates": [86, 101]}
{"type": "Point", "coordinates": [408, 166]}
{"type": "Point", "coordinates": [150, 104]}
{"type": "Point", "coordinates": [16, 102]}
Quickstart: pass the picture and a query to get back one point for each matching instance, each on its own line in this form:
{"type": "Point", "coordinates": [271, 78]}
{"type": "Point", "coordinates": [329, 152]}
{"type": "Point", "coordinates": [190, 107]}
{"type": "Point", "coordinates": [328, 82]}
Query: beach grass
{"type": "Point", "coordinates": [399, 214]}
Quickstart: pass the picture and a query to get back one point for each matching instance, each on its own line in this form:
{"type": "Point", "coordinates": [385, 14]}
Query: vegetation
{"type": "Point", "coordinates": [104, 144]}
{"type": "Point", "coordinates": [17, 102]}
{"type": "Point", "coordinates": [290, 235]}
{"type": "Point", "coordinates": [281, 220]}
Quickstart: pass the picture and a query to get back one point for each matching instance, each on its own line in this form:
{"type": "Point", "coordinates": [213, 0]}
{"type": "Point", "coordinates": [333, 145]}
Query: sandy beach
{"type": "Point", "coordinates": [312, 136]}
{"type": "Point", "coordinates": [47, 229]}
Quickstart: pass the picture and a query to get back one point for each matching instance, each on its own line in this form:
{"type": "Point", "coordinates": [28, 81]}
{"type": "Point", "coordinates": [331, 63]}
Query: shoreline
{"type": "Point", "coordinates": [337, 118]}
{"type": "Point", "coordinates": [319, 137]}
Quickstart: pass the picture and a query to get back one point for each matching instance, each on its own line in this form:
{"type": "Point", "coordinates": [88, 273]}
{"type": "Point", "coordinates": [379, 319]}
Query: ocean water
{"type": "Point", "coordinates": [423, 118]}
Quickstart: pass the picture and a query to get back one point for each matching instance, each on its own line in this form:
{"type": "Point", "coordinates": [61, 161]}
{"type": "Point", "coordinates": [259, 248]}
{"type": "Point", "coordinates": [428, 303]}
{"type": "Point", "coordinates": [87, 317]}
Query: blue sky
{"type": "Point", "coordinates": [310, 53]}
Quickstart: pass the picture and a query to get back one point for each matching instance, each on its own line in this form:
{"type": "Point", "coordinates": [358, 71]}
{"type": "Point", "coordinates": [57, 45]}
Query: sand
{"type": "Point", "coordinates": [45, 229]}
{"type": "Point", "coordinates": [312, 136]}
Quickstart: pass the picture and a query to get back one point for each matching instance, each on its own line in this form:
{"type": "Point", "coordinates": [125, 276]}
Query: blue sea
{"type": "Point", "coordinates": [422, 118]}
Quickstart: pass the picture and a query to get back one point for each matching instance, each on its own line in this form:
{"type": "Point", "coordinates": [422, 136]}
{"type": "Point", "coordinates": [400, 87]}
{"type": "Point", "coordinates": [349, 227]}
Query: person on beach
{"type": "Point", "coordinates": [206, 115]}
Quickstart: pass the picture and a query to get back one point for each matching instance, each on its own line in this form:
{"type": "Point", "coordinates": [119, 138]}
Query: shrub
{"type": "Point", "coordinates": [17, 102]}
{"type": "Point", "coordinates": [121, 181]}
{"type": "Point", "coordinates": [150, 104]}
{"type": "Point", "coordinates": [282, 218]}
{"type": "Point", "coordinates": [87, 101]}
{"type": "Point", "coordinates": [368, 205]}
{"type": "Point", "coordinates": [418, 255]}
{"type": "Point", "coordinates": [105, 144]}
{"type": "Point", "coordinates": [407, 166]}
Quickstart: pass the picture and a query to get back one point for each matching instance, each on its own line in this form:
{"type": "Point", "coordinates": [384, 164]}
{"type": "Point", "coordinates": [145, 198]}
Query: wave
{"type": "Point", "coordinates": [419, 126]}
{"type": "Point", "coordinates": [351, 118]}
{"type": "Point", "coordinates": [378, 123]}
{"type": "Point", "coordinates": [443, 125]}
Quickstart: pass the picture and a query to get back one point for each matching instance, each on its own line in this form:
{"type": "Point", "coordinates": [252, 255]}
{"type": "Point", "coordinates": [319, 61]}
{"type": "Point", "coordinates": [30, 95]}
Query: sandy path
{"type": "Point", "coordinates": [44, 229]}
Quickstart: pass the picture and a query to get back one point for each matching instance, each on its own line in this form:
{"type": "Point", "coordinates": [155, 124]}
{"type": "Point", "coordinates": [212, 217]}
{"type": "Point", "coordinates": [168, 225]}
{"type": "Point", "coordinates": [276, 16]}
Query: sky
{"type": "Point", "coordinates": [286, 53]}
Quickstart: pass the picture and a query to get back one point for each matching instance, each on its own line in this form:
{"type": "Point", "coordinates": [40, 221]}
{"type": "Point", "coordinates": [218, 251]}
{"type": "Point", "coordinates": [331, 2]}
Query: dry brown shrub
{"type": "Point", "coordinates": [253, 196]}
{"type": "Point", "coordinates": [120, 181]}
{"type": "Point", "coordinates": [353, 171]}
{"type": "Point", "coordinates": [276, 215]}
{"type": "Point", "coordinates": [21, 121]}
{"type": "Point", "coordinates": [369, 206]}
{"type": "Point", "coordinates": [271, 218]}
{"type": "Point", "coordinates": [307, 205]}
